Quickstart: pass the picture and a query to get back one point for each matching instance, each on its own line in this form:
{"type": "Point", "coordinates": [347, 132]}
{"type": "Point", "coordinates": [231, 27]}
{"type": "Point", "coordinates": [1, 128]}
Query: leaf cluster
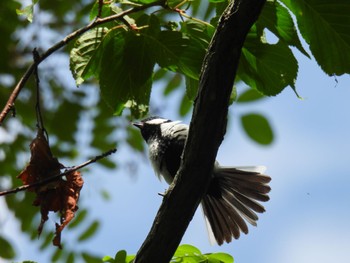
{"type": "Point", "coordinates": [184, 254]}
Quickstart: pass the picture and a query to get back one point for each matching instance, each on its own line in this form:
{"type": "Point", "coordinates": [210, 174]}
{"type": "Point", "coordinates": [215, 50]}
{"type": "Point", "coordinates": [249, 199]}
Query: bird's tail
{"type": "Point", "coordinates": [232, 200]}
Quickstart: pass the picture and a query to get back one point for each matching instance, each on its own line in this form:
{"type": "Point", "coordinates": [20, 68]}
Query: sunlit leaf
{"type": "Point", "coordinates": [220, 257]}
{"type": "Point", "coordinates": [108, 259]}
{"type": "Point", "coordinates": [83, 54]}
{"type": "Point", "coordinates": [186, 249]}
{"type": "Point", "coordinates": [108, 8]}
{"type": "Point", "coordinates": [28, 11]}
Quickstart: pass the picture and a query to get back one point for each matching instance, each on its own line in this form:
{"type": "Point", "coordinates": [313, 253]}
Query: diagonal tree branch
{"type": "Point", "coordinates": [206, 133]}
{"type": "Point", "coordinates": [57, 176]}
{"type": "Point", "coordinates": [9, 106]}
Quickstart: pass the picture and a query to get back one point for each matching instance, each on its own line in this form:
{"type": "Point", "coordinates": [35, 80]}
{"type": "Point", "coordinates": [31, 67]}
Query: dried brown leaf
{"type": "Point", "coordinates": [57, 196]}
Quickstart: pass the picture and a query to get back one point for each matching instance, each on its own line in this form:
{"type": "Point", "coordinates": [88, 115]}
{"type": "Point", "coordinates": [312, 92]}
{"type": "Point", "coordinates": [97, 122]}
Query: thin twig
{"type": "Point", "coordinates": [100, 6]}
{"type": "Point", "coordinates": [98, 21]}
{"type": "Point", "coordinates": [57, 176]}
{"type": "Point", "coordinates": [39, 117]}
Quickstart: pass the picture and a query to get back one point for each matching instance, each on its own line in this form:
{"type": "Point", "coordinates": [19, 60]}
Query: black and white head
{"type": "Point", "coordinates": [155, 128]}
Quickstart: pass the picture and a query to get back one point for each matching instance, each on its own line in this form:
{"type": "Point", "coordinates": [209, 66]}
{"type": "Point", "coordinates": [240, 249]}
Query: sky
{"type": "Point", "coordinates": [306, 219]}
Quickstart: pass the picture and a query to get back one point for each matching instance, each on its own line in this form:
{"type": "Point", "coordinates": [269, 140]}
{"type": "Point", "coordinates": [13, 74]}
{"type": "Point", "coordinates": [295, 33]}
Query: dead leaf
{"type": "Point", "coordinates": [57, 196]}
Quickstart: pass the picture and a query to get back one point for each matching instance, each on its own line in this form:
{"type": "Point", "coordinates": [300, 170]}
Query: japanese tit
{"type": "Point", "coordinates": [233, 194]}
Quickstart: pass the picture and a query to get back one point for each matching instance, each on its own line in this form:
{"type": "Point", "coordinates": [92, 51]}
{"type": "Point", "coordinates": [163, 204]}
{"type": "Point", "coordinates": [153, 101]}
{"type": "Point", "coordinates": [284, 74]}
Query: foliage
{"type": "Point", "coordinates": [183, 254]}
{"type": "Point", "coordinates": [156, 45]}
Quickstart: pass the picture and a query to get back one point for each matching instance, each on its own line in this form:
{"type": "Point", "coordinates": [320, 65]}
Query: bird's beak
{"type": "Point", "coordinates": [138, 124]}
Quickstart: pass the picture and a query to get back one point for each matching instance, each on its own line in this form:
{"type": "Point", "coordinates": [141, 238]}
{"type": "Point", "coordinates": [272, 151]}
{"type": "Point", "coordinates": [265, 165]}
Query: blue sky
{"type": "Point", "coordinates": [307, 217]}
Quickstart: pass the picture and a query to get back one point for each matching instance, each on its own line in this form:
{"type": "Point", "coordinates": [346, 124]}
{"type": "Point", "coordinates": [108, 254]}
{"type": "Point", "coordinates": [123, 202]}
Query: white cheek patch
{"type": "Point", "coordinates": [157, 121]}
{"type": "Point", "coordinates": [169, 128]}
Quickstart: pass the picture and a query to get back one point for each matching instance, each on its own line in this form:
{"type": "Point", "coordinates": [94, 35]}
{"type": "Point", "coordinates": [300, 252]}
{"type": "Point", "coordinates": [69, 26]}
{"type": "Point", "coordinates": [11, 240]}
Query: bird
{"type": "Point", "coordinates": [234, 194]}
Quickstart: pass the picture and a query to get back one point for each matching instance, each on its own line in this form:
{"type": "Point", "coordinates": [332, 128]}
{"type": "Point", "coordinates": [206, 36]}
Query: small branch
{"type": "Point", "coordinates": [100, 6]}
{"type": "Point", "coordinates": [98, 21]}
{"type": "Point", "coordinates": [39, 117]}
{"type": "Point", "coordinates": [55, 177]}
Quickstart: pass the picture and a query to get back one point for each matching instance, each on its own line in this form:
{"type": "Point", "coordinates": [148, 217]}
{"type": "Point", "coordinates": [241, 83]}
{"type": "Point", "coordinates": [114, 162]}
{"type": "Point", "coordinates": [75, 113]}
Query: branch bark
{"type": "Point", "coordinates": [206, 132]}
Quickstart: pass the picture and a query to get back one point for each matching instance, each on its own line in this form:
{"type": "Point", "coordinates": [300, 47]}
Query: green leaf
{"type": "Point", "coordinates": [56, 255]}
{"type": "Point", "coordinates": [65, 109]}
{"type": "Point", "coordinates": [191, 88]}
{"type": "Point", "coordinates": [250, 95]}
{"type": "Point", "coordinates": [120, 257]}
{"type": "Point", "coordinates": [192, 57]}
{"type": "Point", "coordinates": [143, 1]}
{"type": "Point", "coordinates": [168, 47]}
{"type": "Point", "coordinates": [90, 231]}
{"type": "Point", "coordinates": [90, 258]}
{"type": "Point", "coordinates": [103, 128]}
{"type": "Point", "coordinates": [174, 82]}
{"type": "Point", "coordinates": [28, 11]}
{"type": "Point", "coordinates": [184, 250]}
{"type": "Point", "coordinates": [6, 250]}
{"type": "Point", "coordinates": [257, 128]}
{"type": "Point", "coordinates": [105, 195]}
{"type": "Point", "coordinates": [47, 240]}
{"type": "Point", "coordinates": [217, 1]}
{"type": "Point", "coordinates": [325, 27]}
{"type": "Point", "coordinates": [130, 258]}
{"type": "Point", "coordinates": [108, 8]}
{"type": "Point", "coordinates": [220, 257]}
{"type": "Point", "coordinates": [278, 20]}
{"type": "Point", "coordinates": [70, 258]}
{"type": "Point", "coordinates": [134, 139]}
{"type": "Point", "coordinates": [108, 259]}
{"type": "Point", "coordinates": [124, 66]}
{"type": "Point", "coordinates": [83, 54]}
{"type": "Point", "coordinates": [267, 68]}
{"type": "Point", "coordinates": [174, 3]}
{"type": "Point", "coordinates": [233, 95]}
{"type": "Point", "coordinates": [185, 106]}
{"type": "Point", "coordinates": [79, 217]}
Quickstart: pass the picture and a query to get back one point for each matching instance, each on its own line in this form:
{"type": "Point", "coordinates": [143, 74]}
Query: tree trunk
{"type": "Point", "coordinates": [206, 133]}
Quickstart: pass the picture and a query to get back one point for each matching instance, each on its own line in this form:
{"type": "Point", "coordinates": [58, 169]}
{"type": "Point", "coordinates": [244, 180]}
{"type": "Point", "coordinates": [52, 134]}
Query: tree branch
{"type": "Point", "coordinates": [55, 177]}
{"type": "Point", "coordinates": [98, 21]}
{"type": "Point", "coordinates": [206, 132]}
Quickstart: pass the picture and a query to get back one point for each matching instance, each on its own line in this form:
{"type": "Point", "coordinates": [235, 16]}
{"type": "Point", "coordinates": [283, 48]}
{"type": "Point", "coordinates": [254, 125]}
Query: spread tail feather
{"type": "Point", "coordinates": [232, 200]}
